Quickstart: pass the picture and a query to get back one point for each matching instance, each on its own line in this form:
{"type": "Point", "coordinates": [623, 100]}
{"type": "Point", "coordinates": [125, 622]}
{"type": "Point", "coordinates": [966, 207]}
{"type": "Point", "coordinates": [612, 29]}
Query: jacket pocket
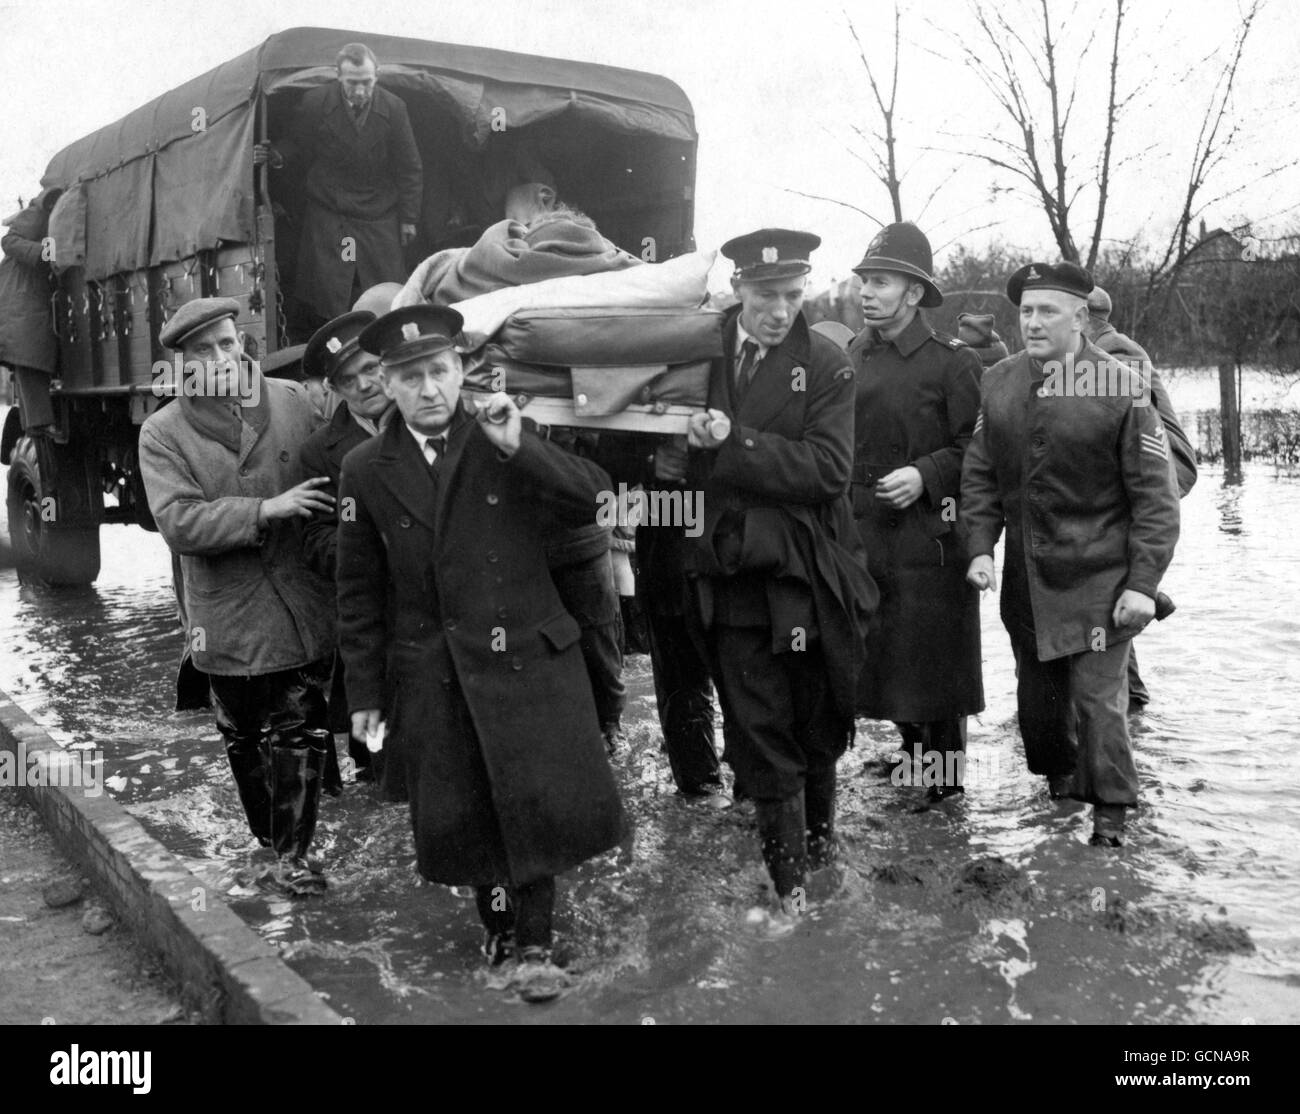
{"type": "Point", "coordinates": [560, 631]}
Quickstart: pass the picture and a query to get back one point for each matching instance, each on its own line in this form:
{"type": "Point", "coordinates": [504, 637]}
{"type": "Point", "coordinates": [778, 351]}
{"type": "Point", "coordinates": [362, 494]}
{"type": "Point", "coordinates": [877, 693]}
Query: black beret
{"type": "Point", "coordinates": [193, 316]}
{"type": "Point", "coordinates": [333, 343]}
{"type": "Point", "coordinates": [411, 332]}
{"type": "Point", "coordinates": [1069, 277]}
{"type": "Point", "coordinates": [771, 253]}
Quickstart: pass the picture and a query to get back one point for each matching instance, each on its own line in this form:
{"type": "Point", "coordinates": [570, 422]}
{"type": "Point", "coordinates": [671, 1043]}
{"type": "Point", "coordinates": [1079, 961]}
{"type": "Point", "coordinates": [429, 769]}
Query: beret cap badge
{"type": "Point", "coordinates": [333, 345]}
{"type": "Point", "coordinates": [770, 255]}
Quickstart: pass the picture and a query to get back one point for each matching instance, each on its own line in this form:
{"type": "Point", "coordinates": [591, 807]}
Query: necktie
{"type": "Point", "coordinates": [745, 373]}
{"type": "Point", "coordinates": [434, 447]}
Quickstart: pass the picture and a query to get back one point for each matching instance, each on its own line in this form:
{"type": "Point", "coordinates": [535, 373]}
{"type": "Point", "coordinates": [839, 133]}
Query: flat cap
{"type": "Point", "coordinates": [771, 253]}
{"type": "Point", "coordinates": [1069, 277]}
{"type": "Point", "coordinates": [904, 249]}
{"type": "Point", "coordinates": [193, 316]}
{"type": "Point", "coordinates": [1099, 303]}
{"type": "Point", "coordinates": [333, 343]}
{"type": "Point", "coordinates": [411, 332]}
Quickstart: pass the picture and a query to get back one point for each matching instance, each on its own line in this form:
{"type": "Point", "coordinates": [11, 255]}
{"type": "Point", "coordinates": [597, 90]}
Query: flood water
{"type": "Point", "coordinates": [991, 909]}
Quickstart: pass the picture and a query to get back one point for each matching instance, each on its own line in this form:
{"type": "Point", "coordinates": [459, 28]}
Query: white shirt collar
{"type": "Point", "coordinates": [742, 336]}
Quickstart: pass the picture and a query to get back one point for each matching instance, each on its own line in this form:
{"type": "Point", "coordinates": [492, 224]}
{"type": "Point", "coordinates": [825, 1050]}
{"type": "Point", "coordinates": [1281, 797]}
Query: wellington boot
{"type": "Point", "coordinates": [781, 827]}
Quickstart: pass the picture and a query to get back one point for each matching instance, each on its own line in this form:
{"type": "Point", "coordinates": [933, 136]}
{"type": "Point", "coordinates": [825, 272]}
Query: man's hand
{"type": "Point", "coordinates": [982, 574]}
{"type": "Point", "coordinates": [1133, 610]}
{"type": "Point", "coordinates": [671, 459]}
{"type": "Point", "coordinates": [302, 502]}
{"type": "Point", "coordinates": [501, 421]}
{"type": "Point", "coordinates": [901, 488]}
{"type": "Point", "coordinates": [707, 429]}
{"type": "Point", "coordinates": [264, 153]}
{"type": "Point", "coordinates": [365, 723]}
{"type": "Point", "coordinates": [407, 232]}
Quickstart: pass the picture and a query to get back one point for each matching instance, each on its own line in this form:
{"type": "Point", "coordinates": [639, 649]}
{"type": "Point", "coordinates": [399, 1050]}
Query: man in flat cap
{"type": "Point", "coordinates": [221, 469]}
{"type": "Point", "coordinates": [352, 376]}
{"type": "Point", "coordinates": [779, 573]}
{"type": "Point", "coordinates": [455, 638]}
{"type": "Point", "coordinates": [917, 400]}
{"type": "Point", "coordinates": [1080, 478]}
{"type": "Point", "coordinates": [352, 141]}
{"type": "Point", "coordinates": [1110, 340]}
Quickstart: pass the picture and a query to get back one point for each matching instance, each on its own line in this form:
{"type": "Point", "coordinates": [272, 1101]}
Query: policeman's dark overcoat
{"type": "Point", "coordinates": [360, 184]}
{"type": "Point", "coordinates": [449, 622]}
{"type": "Point", "coordinates": [322, 455]}
{"type": "Point", "coordinates": [917, 398]}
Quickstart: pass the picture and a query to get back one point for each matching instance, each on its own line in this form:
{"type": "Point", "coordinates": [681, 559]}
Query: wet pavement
{"type": "Point", "coordinates": [992, 908]}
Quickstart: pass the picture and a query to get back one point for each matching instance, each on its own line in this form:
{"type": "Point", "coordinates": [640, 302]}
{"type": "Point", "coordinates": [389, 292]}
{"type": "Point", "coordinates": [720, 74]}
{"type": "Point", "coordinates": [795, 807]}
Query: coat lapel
{"type": "Point", "coordinates": [401, 468]}
{"type": "Point", "coordinates": [458, 436]}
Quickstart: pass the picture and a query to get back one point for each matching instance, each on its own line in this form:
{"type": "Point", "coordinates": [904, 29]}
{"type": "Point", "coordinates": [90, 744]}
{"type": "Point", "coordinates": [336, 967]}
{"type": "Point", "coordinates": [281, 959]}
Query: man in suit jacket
{"type": "Point", "coordinates": [782, 586]}
{"type": "Point", "coordinates": [353, 141]}
{"type": "Point", "coordinates": [455, 636]}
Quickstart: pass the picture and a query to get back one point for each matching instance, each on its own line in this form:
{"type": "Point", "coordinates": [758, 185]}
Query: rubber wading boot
{"type": "Point", "coordinates": [298, 765]}
{"type": "Point", "coordinates": [248, 763]}
{"type": "Point", "coordinates": [782, 828]}
{"type": "Point", "coordinates": [819, 811]}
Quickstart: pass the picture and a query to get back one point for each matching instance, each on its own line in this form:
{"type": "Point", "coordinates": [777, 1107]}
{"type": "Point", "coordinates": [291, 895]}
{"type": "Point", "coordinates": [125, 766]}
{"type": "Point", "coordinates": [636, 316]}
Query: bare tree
{"type": "Point", "coordinates": [1020, 73]}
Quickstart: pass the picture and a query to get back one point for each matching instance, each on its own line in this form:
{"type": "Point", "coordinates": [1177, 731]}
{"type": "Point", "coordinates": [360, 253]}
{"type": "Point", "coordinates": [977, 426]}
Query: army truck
{"type": "Point", "coordinates": [167, 204]}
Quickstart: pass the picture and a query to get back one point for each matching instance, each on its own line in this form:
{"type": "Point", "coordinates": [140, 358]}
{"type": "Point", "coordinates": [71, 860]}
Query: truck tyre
{"type": "Point", "coordinates": [44, 552]}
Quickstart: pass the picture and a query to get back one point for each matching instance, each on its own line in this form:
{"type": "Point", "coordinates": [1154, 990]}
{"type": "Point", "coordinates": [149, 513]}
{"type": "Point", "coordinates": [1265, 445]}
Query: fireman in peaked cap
{"type": "Point", "coordinates": [917, 397]}
{"type": "Point", "coordinates": [782, 589]}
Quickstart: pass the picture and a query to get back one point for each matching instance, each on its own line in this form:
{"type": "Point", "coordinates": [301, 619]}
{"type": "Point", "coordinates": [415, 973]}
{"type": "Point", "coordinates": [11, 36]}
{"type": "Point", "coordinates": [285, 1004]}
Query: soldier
{"type": "Point", "coordinates": [363, 181]}
{"type": "Point", "coordinates": [917, 400]}
{"type": "Point", "coordinates": [1080, 479]}
{"type": "Point", "coordinates": [781, 582]}
{"type": "Point", "coordinates": [1111, 341]}
{"type": "Point", "coordinates": [454, 635]}
{"type": "Point", "coordinates": [227, 491]}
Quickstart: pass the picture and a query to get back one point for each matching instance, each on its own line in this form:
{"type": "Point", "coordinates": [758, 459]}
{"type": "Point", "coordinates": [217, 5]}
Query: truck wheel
{"type": "Point", "coordinates": [44, 552]}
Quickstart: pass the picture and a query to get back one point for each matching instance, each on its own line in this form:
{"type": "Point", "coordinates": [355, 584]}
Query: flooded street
{"type": "Point", "coordinates": [992, 909]}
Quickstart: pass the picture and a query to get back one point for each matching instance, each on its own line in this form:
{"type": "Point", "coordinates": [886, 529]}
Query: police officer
{"type": "Point", "coordinates": [916, 404]}
{"type": "Point", "coordinates": [782, 588]}
{"type": "Point", "coordinates": [1081, 481]}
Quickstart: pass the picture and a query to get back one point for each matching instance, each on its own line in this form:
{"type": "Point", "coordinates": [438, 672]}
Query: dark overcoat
{"type": "Point", "coordinates": [322, 455]}
{"type": "Point", "coordinates": [1085, 489]}
{"type": "Point", "coordinates": [777, 515]}
{"type": "Point", "coordinates": [916, 403]}
{"type": "Point", "coordinates": [26, 328]}
{"type": "Point", "coordinates": [450, 623]}
{"type": "Point", "coordinates": [360, 184]}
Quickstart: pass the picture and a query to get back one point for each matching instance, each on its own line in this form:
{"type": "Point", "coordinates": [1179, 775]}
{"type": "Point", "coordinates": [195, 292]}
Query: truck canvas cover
{"type": "Point", "coordinates": [176, 176]}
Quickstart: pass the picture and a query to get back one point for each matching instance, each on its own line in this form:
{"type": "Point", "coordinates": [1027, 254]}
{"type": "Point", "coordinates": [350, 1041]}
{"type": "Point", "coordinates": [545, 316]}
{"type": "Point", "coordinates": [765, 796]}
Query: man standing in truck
{"type": "Point", "coordinates": [363, 182]}
{"type": "Point", "coordinates": [221, 469]}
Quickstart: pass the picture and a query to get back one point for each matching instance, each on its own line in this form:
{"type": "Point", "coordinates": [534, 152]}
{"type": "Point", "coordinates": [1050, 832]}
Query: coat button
{"type": "Point", "coordinates": [404, 522]}
{"type": "Point", "coordinates": [501, 612]}
{"type": "Point", "coordinates": [749, 442]}
{"type": "Point", "coordinates": [516, 664]}
{"type": "Point", "coordinates": [1039, 442]}
{"type": "Point", "coordinates": [492, 499]}
{"type": "Point", "coordinates": [244, 471]}
{"type": "Point", "coordinates": [450, 624]}
{"type": "Point", "coordinates": [492, 556]}
{"type": "Point", "coordinates": [284, 454]}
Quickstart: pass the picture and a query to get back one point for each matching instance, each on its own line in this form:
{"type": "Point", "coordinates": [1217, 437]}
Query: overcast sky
{"type": "Point", "coordinates": [777, 89]}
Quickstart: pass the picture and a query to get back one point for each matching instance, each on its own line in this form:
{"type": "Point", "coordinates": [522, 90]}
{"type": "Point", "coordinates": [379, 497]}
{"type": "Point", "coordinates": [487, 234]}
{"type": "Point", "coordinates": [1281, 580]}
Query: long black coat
{"type": "Point", "coordinates": [917, 401]}
{"type": "Point", "coordinates": [776, 505]}
{"type": "Point", "coordinates": [322, 455]}
{"type": "Point", "coordinates": [449, 621]}
{"type": "Point", "coordinates": [360, 183]}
